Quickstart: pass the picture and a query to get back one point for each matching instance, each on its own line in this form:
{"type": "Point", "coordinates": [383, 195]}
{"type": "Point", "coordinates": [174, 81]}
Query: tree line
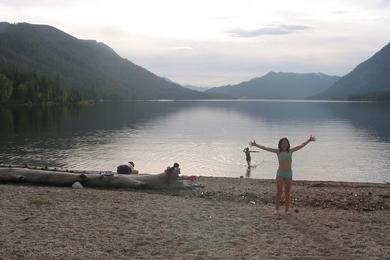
{"type": "Point", "coordinates": [383, 96]}
{"type": "Point", "coordinates": [18, 87]}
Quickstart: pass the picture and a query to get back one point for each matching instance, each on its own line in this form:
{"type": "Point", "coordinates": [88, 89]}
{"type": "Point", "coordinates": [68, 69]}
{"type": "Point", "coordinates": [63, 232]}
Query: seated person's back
{"type": "Point", "coordinates": [126, 169]}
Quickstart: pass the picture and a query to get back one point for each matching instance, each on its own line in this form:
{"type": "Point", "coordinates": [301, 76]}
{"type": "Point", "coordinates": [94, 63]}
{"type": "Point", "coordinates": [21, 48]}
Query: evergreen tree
{"type": "Point", "coordinates": [6, 88]}
{"type": "Point", "coordinates": [21, 87]}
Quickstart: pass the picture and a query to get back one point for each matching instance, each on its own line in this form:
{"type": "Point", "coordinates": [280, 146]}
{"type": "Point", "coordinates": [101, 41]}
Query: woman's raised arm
{"type": "Point", "coordinates": [272, 150]}
{"type": "Point", "coordinates": [296, 148]}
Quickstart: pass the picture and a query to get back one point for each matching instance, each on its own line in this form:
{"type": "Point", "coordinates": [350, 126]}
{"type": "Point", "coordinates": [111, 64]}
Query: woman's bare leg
{"type": "Point", "coordinates": [279, 191]}
{"type": "Point", "coordinates": [287, 189]}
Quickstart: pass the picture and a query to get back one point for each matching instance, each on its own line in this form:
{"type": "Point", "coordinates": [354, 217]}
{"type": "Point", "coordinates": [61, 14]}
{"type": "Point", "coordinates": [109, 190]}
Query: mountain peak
{"type": "Point", "coordinates": [372, 75]}
{"type": "Point", "coordinates": [285, 85]}
{"type": "Point", "coordinates": [4, 27]}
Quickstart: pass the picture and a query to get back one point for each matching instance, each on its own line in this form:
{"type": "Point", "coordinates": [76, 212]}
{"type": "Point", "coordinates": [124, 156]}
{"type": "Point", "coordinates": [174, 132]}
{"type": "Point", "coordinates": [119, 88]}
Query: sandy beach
{"type": "Point", "coordinates": [226, 219]}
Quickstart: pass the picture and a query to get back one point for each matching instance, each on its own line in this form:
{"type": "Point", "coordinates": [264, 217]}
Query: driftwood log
{"type": "Point", "coordinates": [95, 179]}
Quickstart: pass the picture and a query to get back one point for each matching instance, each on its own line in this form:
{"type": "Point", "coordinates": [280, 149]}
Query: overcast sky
{"type": "Point", "coordinates": [217, 42]}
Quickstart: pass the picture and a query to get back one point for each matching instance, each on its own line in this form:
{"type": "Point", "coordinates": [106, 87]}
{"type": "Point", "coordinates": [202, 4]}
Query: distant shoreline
{"type": "Point", "coordinates": [248, 100]}
{"type": "Point", "coordinates": [93, 102]}
{"type": "Point", "coordinates": [50, 103]}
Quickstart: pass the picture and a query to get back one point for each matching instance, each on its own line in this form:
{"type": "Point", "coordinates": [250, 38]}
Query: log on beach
{"type": "Point", "coordinates": [61, 178]}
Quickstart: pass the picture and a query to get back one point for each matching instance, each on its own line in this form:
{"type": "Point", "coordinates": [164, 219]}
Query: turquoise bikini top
{"type": "Point", "coordinates": [284, 156]}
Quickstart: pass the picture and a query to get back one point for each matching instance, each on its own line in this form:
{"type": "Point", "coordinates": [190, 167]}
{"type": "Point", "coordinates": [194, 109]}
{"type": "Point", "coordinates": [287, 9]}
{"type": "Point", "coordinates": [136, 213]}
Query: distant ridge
{"type": "Point", "coordinates": [201, 89]}
{"type": "Point", "coordinates": [279, 85]}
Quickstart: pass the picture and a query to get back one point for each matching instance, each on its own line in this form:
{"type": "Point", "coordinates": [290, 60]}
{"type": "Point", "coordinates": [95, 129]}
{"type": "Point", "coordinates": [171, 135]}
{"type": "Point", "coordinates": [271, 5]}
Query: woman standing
{"type": "Point", "coordinates": [284, 173]}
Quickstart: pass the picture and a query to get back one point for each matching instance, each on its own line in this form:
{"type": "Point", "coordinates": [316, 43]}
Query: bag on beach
{"type": "Point", "coordinates": [123, 169]}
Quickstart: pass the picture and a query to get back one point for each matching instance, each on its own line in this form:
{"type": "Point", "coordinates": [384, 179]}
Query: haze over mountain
{"type": "Point", "coordinates": [279, 85]}
{"type": "Point", "coordinates": [89, 66]}
{"type": "Point", "coordinates": [369, 77]}
{"type": "Point", "coordinates": [197, 88]}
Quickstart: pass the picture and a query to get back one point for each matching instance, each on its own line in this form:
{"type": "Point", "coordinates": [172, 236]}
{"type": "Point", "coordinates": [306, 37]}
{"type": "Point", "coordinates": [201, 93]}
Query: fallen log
{"type": "Point", "coordinates": [111, 180]}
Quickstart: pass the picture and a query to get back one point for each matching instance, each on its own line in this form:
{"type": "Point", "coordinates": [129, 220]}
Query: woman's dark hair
{"type": "Point", "coordinates": [280, 144]}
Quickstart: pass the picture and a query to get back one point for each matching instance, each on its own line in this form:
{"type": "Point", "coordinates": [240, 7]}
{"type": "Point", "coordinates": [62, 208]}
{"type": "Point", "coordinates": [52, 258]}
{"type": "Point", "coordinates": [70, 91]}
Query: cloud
{"type": "Point", "coordinates": [37, 3]}
{"type": "Point", "coordinates": [340, 12]}
{"type": "Point", "coordinates": [225, 17]}
{"type": "Point", "coordinates": [269, 30]}
{"type": "Point", "coordinates": [182, 48]}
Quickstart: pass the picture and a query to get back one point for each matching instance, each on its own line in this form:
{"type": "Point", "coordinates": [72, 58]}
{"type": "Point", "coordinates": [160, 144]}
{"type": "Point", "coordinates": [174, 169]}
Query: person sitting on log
{"type": "Point", "coordinates": [172, 173]}
{"type": "Point", "coordinates": [127, 169]}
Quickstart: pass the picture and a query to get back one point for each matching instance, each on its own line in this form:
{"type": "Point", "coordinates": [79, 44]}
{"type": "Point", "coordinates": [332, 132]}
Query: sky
{"type": "Point", "coordinates": [218, 42]}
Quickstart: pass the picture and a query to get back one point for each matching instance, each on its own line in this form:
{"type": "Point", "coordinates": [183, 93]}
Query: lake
{"type": "Point", "coordinates": [205, 137]}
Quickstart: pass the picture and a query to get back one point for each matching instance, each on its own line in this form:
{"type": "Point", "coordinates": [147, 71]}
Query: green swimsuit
{"type": "Point", "coordinates": [284, 156]}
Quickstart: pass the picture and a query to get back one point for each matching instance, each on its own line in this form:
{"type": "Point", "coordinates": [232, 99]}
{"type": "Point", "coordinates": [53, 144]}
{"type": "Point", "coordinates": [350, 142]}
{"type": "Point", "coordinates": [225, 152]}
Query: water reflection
{"type": "Point", "coordinates": [374, 117]}
{"type": "Point", "coordinates": [249, 170]}
{"type": "Point", "coordinates": [206, 137]}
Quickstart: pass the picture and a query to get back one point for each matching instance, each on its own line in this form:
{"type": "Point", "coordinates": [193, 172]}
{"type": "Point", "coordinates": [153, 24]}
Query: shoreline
{"type": "Point", "coordinates": [301, 180]}
{"type": "Point", "coordinates": [229, 218]}
{"type": "Point", "coordinates": [50, 169]}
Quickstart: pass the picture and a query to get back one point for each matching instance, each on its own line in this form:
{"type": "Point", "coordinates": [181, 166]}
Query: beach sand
{"type": "Point", "coordinates": [226, 219]}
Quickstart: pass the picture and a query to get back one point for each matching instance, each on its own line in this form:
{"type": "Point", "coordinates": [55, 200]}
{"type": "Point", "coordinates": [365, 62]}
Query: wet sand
{"type": "Point", "coordinates": [226, 219]}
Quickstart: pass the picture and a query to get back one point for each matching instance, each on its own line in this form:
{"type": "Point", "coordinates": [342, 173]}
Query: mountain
{"type": "Point", "coordinates": [370, 76]}
{"type": "Point", "coordinates": [196, 88]}
{"type": "Point", "coordinates": [89, 66]}
{"type": "Point", "coordinates": [279, 85]}
{"type": "Point", "coordinates": [192, 87]}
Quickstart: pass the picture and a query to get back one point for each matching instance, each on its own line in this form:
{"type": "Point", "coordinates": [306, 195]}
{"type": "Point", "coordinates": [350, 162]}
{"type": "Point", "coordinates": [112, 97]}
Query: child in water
{"type": "Point", "coordinates": [248, 155]}
{"type": "Point", "coordinates": [284, 173]}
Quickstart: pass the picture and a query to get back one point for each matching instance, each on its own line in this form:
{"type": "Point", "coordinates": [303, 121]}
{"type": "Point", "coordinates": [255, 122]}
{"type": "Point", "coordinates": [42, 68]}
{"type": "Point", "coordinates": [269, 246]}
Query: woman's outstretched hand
{"type": "Point", "coordinates": [312, 138]}
{"type": "Point", "coordinates": [252, 143]}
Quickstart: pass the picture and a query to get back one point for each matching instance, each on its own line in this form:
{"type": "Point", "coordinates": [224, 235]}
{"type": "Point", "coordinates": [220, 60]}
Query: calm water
{"type": "Point", "coordinates": [205, 137]}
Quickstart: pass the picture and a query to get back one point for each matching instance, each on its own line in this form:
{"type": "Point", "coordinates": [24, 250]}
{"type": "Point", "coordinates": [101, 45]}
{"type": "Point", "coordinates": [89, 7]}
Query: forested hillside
{"type": "Point", "coordinates": [20, 88]}
{"type": "Point", "coordinates": [91, 67]}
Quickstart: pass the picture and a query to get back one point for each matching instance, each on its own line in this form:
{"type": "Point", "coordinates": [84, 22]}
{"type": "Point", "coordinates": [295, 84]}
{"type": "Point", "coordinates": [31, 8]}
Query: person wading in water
{"type": "Point", "coordinates": [248, 155]}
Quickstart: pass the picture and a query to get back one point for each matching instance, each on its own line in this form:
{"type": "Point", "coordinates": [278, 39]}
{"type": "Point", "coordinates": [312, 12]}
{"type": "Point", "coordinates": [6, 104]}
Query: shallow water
{"type": "Point", "coordinates": [205, 137]}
